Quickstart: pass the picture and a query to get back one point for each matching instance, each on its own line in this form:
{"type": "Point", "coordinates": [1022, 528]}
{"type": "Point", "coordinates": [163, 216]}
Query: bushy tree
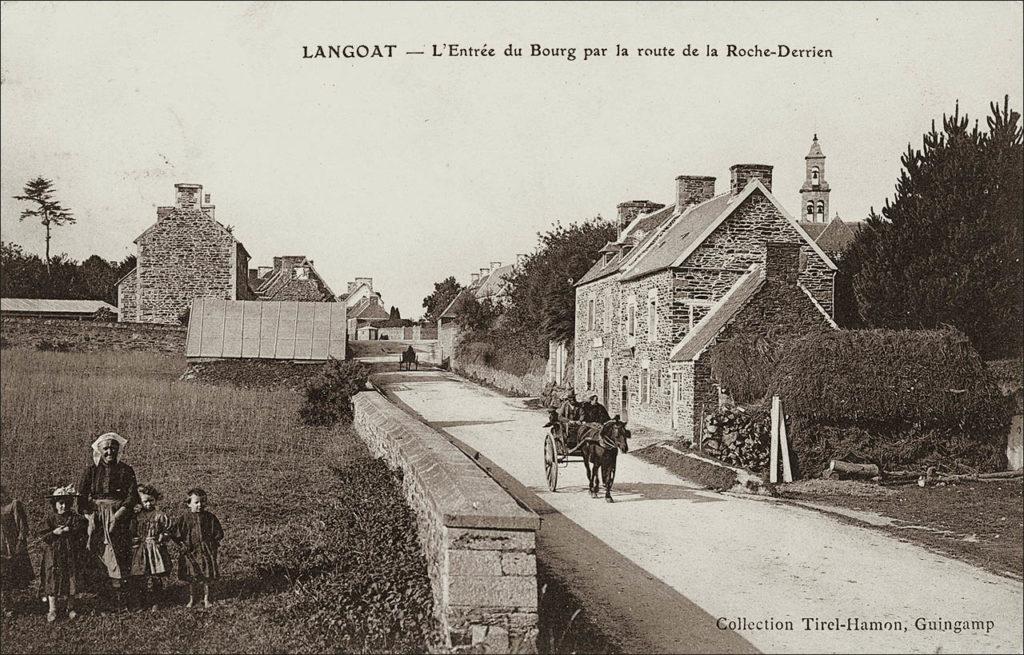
{"type": "Point", "coordinates": [542, 295]}
{"type": "Point", "coordinates": [947, 248]}
{"type": "Point", "coordinates": [476, 316]}
{"type": "Point", "coordinates": [24, 275]}
{"type": "Point", "coordinates": [443, 294]}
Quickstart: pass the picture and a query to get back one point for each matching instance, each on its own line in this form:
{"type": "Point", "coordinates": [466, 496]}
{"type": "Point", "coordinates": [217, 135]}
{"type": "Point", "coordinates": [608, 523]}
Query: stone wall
{"type": "Point", "coordinates": [479, 543]}
{"type": "Point", "coordinates": [447, 336]}
{"type": "Point", "coordinates": [127, 298]}
{"type": "Point", "coordinates": [92, 336]}
{"type": "Point", "coordinates": [531, 384]}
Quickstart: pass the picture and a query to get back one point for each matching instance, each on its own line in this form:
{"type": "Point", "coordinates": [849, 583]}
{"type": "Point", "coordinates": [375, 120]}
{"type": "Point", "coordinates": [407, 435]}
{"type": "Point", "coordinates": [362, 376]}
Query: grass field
{"type": "Point", "coordinates": [320, 552]}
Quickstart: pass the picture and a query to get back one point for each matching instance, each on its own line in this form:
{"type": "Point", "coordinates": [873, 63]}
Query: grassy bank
{"type": "Point", "coordinates": [320, 552]}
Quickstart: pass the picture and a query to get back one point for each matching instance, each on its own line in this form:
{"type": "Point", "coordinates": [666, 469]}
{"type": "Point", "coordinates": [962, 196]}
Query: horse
{"type": "Point", "coordinates": [408, 360]}
{"type": "Point", "coordinates": [600, 446]}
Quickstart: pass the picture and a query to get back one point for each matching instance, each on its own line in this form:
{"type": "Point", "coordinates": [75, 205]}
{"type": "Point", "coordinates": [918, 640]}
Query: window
{"type": "Point", "coordinates": [300, 273]}
{"type": "Point", "coordinates": [821, 211]}
{"type": "Point", "coordinates": [815, 180]}
{"type": "Point", "coordinates": [590, 374]}
{"type": "Point", "coordinates": [608, 310]}
{"type": "Point", "coordinates": [652, 319]}
{"type": "Point", "coordinates": [645, 386]}
{"type": "Point", "coordinates": [677, 378]}
{"type": "Point", "coordinates": [631, 318]}
{"type": "Point", "coordinates": [590, 314]}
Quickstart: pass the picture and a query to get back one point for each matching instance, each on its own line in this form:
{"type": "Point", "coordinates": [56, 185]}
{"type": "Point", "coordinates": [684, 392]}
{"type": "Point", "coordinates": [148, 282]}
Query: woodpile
{"type": "Point", "coordinates": [737, 437]}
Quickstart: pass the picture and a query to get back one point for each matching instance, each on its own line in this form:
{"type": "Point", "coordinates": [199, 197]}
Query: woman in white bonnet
{"type": "Point", "coordinates": [109, 497]}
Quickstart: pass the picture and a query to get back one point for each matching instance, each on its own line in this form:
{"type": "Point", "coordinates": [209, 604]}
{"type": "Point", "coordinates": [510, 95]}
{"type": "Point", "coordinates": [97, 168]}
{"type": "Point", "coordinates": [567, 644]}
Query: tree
{"type": "Point", "coordinates": [49, 211]}
{"type": "Point", "coordinates": [947, 248]}
{"type": "Point", "coordinates": [444, 293]}
{"type": "Point", "coordinates": [394, 314]}
{"type": "Point", "coordinates": [476, 316]}
{"type": "Point", "coordinates": [542, 296]}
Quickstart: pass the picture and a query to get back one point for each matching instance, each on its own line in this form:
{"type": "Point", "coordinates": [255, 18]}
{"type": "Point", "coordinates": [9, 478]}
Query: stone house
{"type": "Point", "coordinates": [293, 277]}
{"type": "Point", "coordinates": [186, 254]}
{"type": "Point", "coordinates": [368, 312]}
{"type": "Point", "coordinates": [681, 279]}
{"type": "Point", "coordinates": [359, 289]}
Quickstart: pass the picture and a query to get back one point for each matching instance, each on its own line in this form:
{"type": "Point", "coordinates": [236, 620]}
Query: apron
{"type": "Point", "coordinates": [107, 542]}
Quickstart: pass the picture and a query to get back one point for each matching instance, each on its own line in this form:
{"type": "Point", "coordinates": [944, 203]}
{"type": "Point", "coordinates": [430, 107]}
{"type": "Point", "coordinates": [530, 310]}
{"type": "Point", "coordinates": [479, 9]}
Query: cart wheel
{"type": "Point", "coordinates": [551, 462]}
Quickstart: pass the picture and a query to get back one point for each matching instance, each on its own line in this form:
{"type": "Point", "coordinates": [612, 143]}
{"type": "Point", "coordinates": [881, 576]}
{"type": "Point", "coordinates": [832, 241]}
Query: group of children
{"type": "Point", "coordinates": [67, 551]}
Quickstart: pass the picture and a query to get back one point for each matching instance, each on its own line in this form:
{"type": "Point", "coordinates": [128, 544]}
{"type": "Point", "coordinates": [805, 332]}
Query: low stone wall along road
{"type": "Point", "coordinates": [679, 569]}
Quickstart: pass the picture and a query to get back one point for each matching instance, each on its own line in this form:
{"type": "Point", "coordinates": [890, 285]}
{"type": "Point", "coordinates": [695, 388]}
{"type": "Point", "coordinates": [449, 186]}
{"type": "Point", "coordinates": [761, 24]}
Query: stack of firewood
{"type": "Point", "coordinates": [738, 438]}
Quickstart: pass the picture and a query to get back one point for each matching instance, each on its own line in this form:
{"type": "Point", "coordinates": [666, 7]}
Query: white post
{"type": "Point", "coordinates": [773, 457]}
{"type": "Point", "coordinates": [787, 472]}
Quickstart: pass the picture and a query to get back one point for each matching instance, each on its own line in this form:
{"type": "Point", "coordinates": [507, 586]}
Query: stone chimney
{"type": "Point", "coordinates": [474, 278]}
{"type": "Point", "coordinates": [484, 272]}
{"type": "Point", "coordinates": [782, 262]}
{"type": "Point", "coordinates": [742, 174]}
{"type": "Point", "coordinates": [630, 209]}
{"type": "Point", "coordinates": [495, 266]}
{"type": "Point", "coordinates": [186, 196]}
{"type": "Point", "coordinates": [693, 190]}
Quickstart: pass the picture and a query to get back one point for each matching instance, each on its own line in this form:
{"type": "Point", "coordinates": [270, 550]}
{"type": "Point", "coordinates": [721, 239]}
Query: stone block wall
{"type": "Point", "coordinates": [183, 256]}
{"type": "Point", "coordinates": [128, 299]}
{"type": "Point", "coordinates": [479, 543]}
{"type": "Point", "coordinates": [531, 384]}
{"type": "Point", "coordinates": [92, 336]}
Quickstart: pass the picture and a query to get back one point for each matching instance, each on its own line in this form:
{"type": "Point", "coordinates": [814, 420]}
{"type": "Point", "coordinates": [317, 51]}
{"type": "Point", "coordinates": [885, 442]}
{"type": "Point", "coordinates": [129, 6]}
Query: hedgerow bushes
{"type": "Point", "coordinates": [900, 399]}
{"type": "Point", "coordinates": [328, 396]}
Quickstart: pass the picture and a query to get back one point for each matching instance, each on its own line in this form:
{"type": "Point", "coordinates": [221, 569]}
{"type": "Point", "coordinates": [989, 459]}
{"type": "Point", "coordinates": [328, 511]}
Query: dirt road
{"type": "Point", "coordinates": [679, 569]}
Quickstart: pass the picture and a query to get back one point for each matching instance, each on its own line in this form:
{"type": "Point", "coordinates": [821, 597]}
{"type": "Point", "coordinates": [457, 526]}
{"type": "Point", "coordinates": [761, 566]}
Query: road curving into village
{"type": "Point", "coordinates": [674, 568]}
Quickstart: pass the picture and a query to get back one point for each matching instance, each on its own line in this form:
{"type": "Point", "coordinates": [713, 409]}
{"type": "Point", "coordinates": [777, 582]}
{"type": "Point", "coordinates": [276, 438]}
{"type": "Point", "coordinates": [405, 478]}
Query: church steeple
{"type": "Point", "coordinates": [814, 192]}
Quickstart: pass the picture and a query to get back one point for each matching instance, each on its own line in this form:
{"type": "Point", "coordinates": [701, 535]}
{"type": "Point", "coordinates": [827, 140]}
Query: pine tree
{"type": "Point", "coordinates": [947, 248]}
{"type": "Point", "coordinates": [49, 211]}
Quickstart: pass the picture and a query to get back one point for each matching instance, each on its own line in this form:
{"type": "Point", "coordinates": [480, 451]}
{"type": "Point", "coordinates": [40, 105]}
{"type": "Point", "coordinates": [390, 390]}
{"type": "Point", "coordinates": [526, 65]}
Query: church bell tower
{"type": "Point", "coordinates": [814, 192]}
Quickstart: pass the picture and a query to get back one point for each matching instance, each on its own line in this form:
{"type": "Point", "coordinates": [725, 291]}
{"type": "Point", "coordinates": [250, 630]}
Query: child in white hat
{"type": "Point", "coordinates": [60, 574]}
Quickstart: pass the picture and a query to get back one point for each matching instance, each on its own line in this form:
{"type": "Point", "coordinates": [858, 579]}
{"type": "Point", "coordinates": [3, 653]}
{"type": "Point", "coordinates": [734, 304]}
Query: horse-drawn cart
{"type": "Point", "coordinates": [561, 446]}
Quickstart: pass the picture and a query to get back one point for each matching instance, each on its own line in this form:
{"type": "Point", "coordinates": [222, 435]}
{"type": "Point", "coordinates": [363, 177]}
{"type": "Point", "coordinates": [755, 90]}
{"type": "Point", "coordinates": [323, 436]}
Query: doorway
{"type": "Point", "coordinates": [605, 384]}
{"type": "Point", "coordinates": [624, 408]}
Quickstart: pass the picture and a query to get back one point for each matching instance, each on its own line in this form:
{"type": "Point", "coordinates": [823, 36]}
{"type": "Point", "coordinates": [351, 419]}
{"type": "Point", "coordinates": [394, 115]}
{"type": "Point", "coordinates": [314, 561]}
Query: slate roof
{"type": "Point", "coordinates": [449, 311]}
{"type": "Point", "coordinates": [705, 331]}
{"type": "Point", "coordinates": [46, 305]}
{"type": "Point", "coordinates": [646, 225]}
{"type": "Point", "coordinates": [679, 235]}
{"type": "Point", "coordinates": [494, 283]}
{"type": "Point", "coordinates": [839, 234]}
{"type": "Point", "coordinates": [367, 309]}
{"type": "Point", "coordinates": [813, 229]}
{"type": "Point", "coordinates": [280, 285]}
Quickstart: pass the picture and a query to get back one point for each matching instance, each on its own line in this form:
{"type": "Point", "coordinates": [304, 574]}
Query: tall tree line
{"type": "Point", "coordinates": [24, 275]}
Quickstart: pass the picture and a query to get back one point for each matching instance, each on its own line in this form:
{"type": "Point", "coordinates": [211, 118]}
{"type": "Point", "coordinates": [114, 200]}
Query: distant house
{"type": "Point", "coordinates": [834, 237]}
{"type": "Point", "coordinates": [359, 289]}
{"type": "Point", "coordinates": [293, 277]}
{"type": "Point", "coordinates": [186, 254]}
{"type": "Point", "coordinates": [682, 279]}
{"type": "Point", "coordinates": [368, 312]}
{"type": "Point", "coordinates": [491, 283]}
{"type": "Point", "coordinates": [82, 310]}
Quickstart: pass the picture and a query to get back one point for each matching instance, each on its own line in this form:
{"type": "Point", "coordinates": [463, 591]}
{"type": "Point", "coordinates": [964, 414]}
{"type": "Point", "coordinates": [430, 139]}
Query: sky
{"type": "Point", "coordinates": [412, 168]}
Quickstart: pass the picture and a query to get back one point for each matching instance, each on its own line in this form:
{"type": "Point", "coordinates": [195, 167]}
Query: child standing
{"type": "Point", "coordinates": [199, 533]}
{"type": "Point", "coordinates": [15, 567]}
{"type": "Point", "coordinates": [61, 570]}
{"type": "Point", "coordinates": [150, 561]}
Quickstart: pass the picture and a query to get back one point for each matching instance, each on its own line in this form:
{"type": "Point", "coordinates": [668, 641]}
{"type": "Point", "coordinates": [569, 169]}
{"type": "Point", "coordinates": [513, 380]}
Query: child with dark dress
{"type": "Point", "coordinates": [15, 566]}
{"type": "Point", "coordinates": [149, 530]}
{"type": "Point", "coordinates": [60, 573]}
{"type": "Point", "coordinates": [199, 533]}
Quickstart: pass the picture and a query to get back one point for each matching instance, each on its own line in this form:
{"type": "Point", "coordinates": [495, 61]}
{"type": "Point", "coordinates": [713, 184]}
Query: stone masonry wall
{"type": "Point", "coordinates": [741, 241]}
{"type": "Point", "coordinates": [184, 256]}
{"type": "Point", "coordinates": [479, 543]}
{"type": "Point", "coordinates": [531, 384]}
{"type": "Point", "coordinates": [128, 299]}
{"type": "Point", "coordinates": [93, 336]}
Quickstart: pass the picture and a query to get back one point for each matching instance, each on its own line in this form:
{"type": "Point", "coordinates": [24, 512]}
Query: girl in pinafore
{"type": "Point", "coordinates": [15, 566]}
{"type": "Point", "coordinates": [199, 533]}
{"type": "Point", "coordinates": [60, 573]}
{"type": "Point", "coordinates": [150, 560]}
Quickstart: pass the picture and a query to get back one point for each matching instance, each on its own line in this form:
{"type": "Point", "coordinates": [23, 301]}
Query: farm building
{"type": "Point", "coordinates": [186, 254]}
{"type": "Point", "coordinates": [681, 279]}
{"type": "Point", "coordinates": [82, 310]}
{"type": "Point", "coordinates": [292, 277]}
{"type": "Point", "coordinates": [368, 312]}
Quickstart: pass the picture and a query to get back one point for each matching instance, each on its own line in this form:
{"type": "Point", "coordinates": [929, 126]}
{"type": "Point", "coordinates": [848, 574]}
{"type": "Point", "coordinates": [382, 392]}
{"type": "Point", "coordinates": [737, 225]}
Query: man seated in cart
{"type": "Point", "coordinates": [594, 412]}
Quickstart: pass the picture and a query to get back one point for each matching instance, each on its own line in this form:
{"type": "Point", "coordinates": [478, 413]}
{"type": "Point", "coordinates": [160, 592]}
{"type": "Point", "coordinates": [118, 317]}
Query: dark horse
{"type": "Point", "coordinates": [600, 447]}
{"type": "Point", "coordinates": [408, 360]}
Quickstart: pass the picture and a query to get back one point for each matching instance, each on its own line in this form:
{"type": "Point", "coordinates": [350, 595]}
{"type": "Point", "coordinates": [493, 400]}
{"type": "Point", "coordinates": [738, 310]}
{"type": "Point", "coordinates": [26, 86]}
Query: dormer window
{"type": "Point", "coordinates": [300, 273]}
{"type": "Point", "coordinates": [815, 178]}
